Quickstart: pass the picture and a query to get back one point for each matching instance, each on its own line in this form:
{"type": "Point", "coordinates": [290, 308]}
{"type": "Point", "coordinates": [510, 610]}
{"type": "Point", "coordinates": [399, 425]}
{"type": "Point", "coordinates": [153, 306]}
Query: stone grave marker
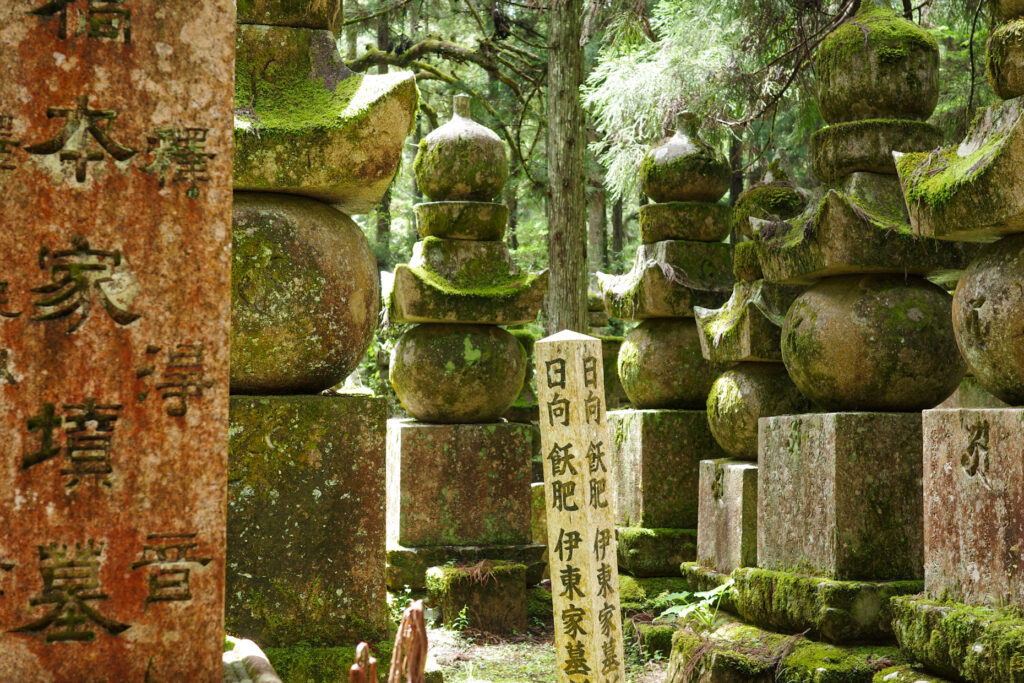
{"type": "Point", "coordinates": [580, 508]}
{"type": "Point", "coordinates": [115, 173]}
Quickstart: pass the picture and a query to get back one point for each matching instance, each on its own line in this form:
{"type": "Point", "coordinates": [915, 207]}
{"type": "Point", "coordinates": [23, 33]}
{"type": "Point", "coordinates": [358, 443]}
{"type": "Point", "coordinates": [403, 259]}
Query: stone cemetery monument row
{"type": "Point", "coordinates": [115, 162]}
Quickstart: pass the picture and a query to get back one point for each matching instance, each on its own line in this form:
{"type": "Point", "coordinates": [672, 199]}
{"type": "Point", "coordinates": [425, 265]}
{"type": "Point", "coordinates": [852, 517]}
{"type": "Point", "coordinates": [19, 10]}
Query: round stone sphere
{"type": "Point", "coordinates": [661, 365]}
{"type": "Point", "coordinates": [461, 160]}
{"type": "Point", "coordinates": [988, 316]}
{"type": "Point", "coordinates": [304, 295]}
{"type": "Point", "coordinates": [877, 65]}
{"type": "Point", "coordinates": [455, 373]}
{"type": "Point", "coordinates": [685, 168]}
{"type": "Point", "coordinates": [745, 393]}
{"type": "Point", "coordinates": [1005, 59]}
{"type": "Point", "coordinates": [872, 342]}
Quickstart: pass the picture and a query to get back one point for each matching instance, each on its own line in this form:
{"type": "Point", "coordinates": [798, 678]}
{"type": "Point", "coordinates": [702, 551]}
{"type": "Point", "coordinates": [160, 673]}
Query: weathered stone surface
{"type": "Point", "coordinates": [1004, 10]}
{"type": "Point", "coordinates": [493, 595]}
{"type": "Point", "coordinates": [767, 201]}
{"type": "Point", "coordinates": [877, 66]}
{"type": "Point", "coordinates": [324, 14]}
{"type": "Point", "coordinates": [661, 365]}
{"type": "Point", "coordinates": [858, 227]}
{"type": "Point", "coordinates": [685, 168]}
{"type": "Point", "coordinates": [727, 532]}
{"type": "Point", "coordinates": [408, 566]}
{"type": "Point", "coordinates": [1005, 59]}
{"type": "Point", "coordinates": [539, 521]}
{"type": "Point", "coordinates": [420, 296]}
{"type": "Point", "coordinates": [959, 642]}
{"type": "Point", "coordinates": [970, 394]}
{"type": "Point", "coordinates": [872, 342]}
{"type": "Point", "coordinates": [695, 221]}
{"type": "Point", "coordinates": [115, 163]}
{"type": "Point", "coordinates": [974, 505]}
{"type": "Point", "coordinates": [668, 279]}
{"type": "Point", "coordinates": [650, 595]}
{"type": "Point", "coordinates": [458, 484]}
{"type": "Point", "coordinates": [699, 578]}
{"type": "Point", "coordinates": [744, 394]}
{"type": "Point", "coordinates": [457, 373]}
{"type": "Point", "coordinates": [656, 458]}
{"type": "Point", "coordinates": [306, 519]}
{"type": "Point", "coordinates": [825, 609]}
{"type": "Point", "coordinates": [304, 295]}
{"type": "Point", "coordinates": [988, 315]}
{"type": "Point", "coordinates": [614, 394]}
{"type": "Point", "coordinates": [465, 265]}
{"type": "Point", "coordinates": [244, 661]}
{"type": "Point", "coordinates": [461, 160]}
{"type": "Point", "coordinates": [749, 326]}
{"type": "Point", "coordinates": [645, 552]}
{"type": "Point", "coordinates": [906, 674]}
{"type": "Point", "coordinates": [844, 148]}
{"type": "Point", "coordinates": [839, 495]}
{"type": "Point", "coordinates": [462, 220]}
{"type": "Point", "coordinates": [304, 124]}
{"type": "Point", "coordinates": [971, 191]}
{"type": "Point", "coordinates": [746, 266]}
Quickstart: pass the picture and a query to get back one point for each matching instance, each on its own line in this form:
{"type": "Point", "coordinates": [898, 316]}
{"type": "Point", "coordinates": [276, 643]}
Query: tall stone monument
{"type": "Point", "coordinates": [681, 265]}
{"type": "Point", "coordinates": [115, 161]}
{"type": "Point", "coordinates": [458, 478]}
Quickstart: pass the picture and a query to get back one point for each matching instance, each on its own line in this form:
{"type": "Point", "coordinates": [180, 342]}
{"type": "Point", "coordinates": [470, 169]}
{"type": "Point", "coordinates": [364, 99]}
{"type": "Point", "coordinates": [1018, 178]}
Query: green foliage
{"type": "Point", "coordinates": [461, 621]}
{"type": "Point", "coordinates": [700, 608]}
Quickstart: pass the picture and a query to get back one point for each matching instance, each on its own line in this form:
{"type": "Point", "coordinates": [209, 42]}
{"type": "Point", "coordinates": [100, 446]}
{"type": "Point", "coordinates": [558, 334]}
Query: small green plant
{"type": "Point", "coordinates": [397, 602]}
{"type": "Point", "coordinates": [461, 622]}
{"type": "Point", "coordinates": [699, 607]}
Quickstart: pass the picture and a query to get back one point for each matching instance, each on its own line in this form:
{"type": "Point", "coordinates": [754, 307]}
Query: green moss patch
{"type": "Point", "coordinates": [655, 552]}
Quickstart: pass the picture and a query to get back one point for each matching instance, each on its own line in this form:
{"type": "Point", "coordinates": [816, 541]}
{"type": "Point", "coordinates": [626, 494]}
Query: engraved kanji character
{"type": "Point", "coordinates": [5, 567]}
{"type": "Point", "coordinates": [184, 377]}
{"type": "Point", "coordinates": [77, 276]}
{"type": "Point", "coordinates": [609, 656]}
{"type": "Point", "coordinates": [576, 660]}
{"type": "Point", "coordinates": [606, 617]}
{"type": "Point", "coordinates": [82, 128]}
{"type": "Point", "coordinates": [604, 580]}
{"type": "Point", "coordinates": [7, 142]}
{"type": "Point", "coordinates": [597, 491]}
{"type": "Point", "coordinates": [975, 459]}
{"type": "Point", "coordinates": [558, 409]}
{"type": "Point", "coordinates": [555, 373]}
{"type": "Point", "coordinates": [170, 555]}
{"type": "Point", "coordinates": [561, 458]}
{"type": "Point", "coordinates": [562, 492]}
{"type": "Point", "coordinates": [46, 423]}
{"type": "Point", "coordinates": [592, 408]}
{"type": "Point", "coordinates": [56, 8]}
{"type": "Point", "coordinates": [595, 457]}
{"type": "Point", "coordinates": [5, 302]}
{"type": "Point", "coordinates": [71, 580]}
{"type": "Point", "coordinates": [567, 544]}
{"type": "Point", "coordinates": [90, 430]}
{"type": "Point", "coordinates": [590, 372]}
{"type": "Point", "coordinates": [109, 19]}
{"type": "Point", "coordinates": [571, 578]}
{"type": "Point", "coordinates": [602, 540]}
{"type": "Point", "coordinates": [5, 368]}
{"type": "Point", "coordinates": [572, 621]}
{"type": "Point", "coordinates": [180, 153]}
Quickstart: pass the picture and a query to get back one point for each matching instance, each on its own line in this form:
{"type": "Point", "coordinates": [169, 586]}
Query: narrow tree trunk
{"type": "Point", "coordinates": [597, 225]}
{"type": "Point", "coordinates": [384, 208]}
{"type": "Point", "coordinates": [567, 211]}
{"type": "Point", "coordinates": [618, 229]}
{"type": "Point", "coordinates": [512, 202]}
{"type": "Point", "coordinates": [736, 163]}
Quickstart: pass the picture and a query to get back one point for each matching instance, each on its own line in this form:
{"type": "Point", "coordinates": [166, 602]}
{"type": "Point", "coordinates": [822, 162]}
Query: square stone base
{"type": "Point", "coordinates": [974, 505]}
{"type": "Point", "coordinates": [655, 552]}
{"type": "Point", "coordinates": [493, 596]}
{"type": "Point", "coordinates": [839, 495]}
{"type": "Point", "coordinates": [727, 531]}
{"type": "Point", "coordinates": [656, 456]}
{"type": "Point", "coordinates": [306, 520]}
{"type": "Point", "coordinates": [408, 566]}
{"type": "Point", "coordinates": [458, 484]}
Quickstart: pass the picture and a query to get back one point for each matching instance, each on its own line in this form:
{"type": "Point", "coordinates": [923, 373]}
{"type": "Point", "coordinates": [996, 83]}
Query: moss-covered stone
{"type": "Point", "coordinates": [457, 373]}
{"type": "Point", "coordinates": [839, 495]}
{"type": "Point", "coordinates": [437, 474]}
{"type": "Point", "coordinates": [648, 595]}
{"type": "Point", "coordinates": [655, 459]}
{"type": "Point", "coordinates": [770, 201]}
{"type": "Point", "coordinates": [539, 521]}
{"type": "Point", "coordinates": [539, 604]}
{"type": "Point", "coordinates": [877, 65]}
{"type": "Point", "coordinates": [971, 191]}
{"type": "Point", "coordinates": [322, 14]}
{"type": "Point", "coordinates": [727, 533]}
{"type": "Point", "coordinates": [698, 579]}
{"type": "Point", "coordinates": [305, 663]}
{"type": "Point", "coordinates": [304, 295]}
{"type": "Point", "coordinates": [959, 642]}
{"type": "Point", "coordinates": [844, 148]}
{"type": "Point", "coordinates": [493, 595]}
{"type": "Point", "coordinates": [661, 365]}
{"type": "Point", "coordinates": [906, 674]}
{"type": "Point", "coordinates": [656, 639]}
{"type": "Point", "coordinates": [1005, 10]}
{"type": "Point", "coordinates": [746, 266]}
{"type": "Point", "coordinates": [668, 279]}
{"type": "Point", "coordinates": [749, 326]}
{"type": "Point", "coordinates": [461, 220]}
{"type": "Point", "coordinates": [655, 552]}
{"type": "Point", "coordinates": [465, 264]}
{"type": "Point", "coordinates": [306, 513]}
{"type": "Point", "coordinates": [685, 168]}
{"type": "Point", "coordinates": [305, 125]}
{"type": "Point", "coordinates": [836, 611]}
{"type": "Point", "coordinates": [696, 221]}
{"type": "Point", "coordinates": [743, 395]}
{"type": "Point", "coordinates": [1005, 59]}
{"type": "Point", "coordinates": [408, 566]}
{"type": "Point", "coordinates": [872, 342]}
{"type": "Point", "coordinates": [858, 227]}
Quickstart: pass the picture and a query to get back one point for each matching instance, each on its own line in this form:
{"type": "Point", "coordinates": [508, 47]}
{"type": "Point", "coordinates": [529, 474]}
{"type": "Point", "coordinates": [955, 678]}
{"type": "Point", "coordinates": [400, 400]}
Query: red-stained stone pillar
{"type": "Point", "coordinates": [115, 208]}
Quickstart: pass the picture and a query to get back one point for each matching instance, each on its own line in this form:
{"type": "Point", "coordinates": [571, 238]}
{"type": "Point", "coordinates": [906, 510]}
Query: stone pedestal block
{"type": "Point", "coordinates": [407, 567]}
{"type": "Point", "coordinates": [839, 495]}
{"type": "Point", "coordinates": [656, 455]}
{"type": "Point", "coordinates": [727, 532]}
{"type": "Point", "coordinates": [655, 552]}
{"type": "Point", "coordinates": [493, 595]}
{"type": "Point", "coordinates": [462, 484]}
{"type": "Point", "coordinates": [306, 519]}
{"type": "Point", "coordinates": [974, 505]}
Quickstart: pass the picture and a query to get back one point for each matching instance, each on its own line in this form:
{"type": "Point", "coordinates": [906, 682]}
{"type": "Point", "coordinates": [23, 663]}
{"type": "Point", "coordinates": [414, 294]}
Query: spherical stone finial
{"type": "Point", "coordinates": [685, 168]}
{"type": "Point", "coordinates": [461, 160]}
